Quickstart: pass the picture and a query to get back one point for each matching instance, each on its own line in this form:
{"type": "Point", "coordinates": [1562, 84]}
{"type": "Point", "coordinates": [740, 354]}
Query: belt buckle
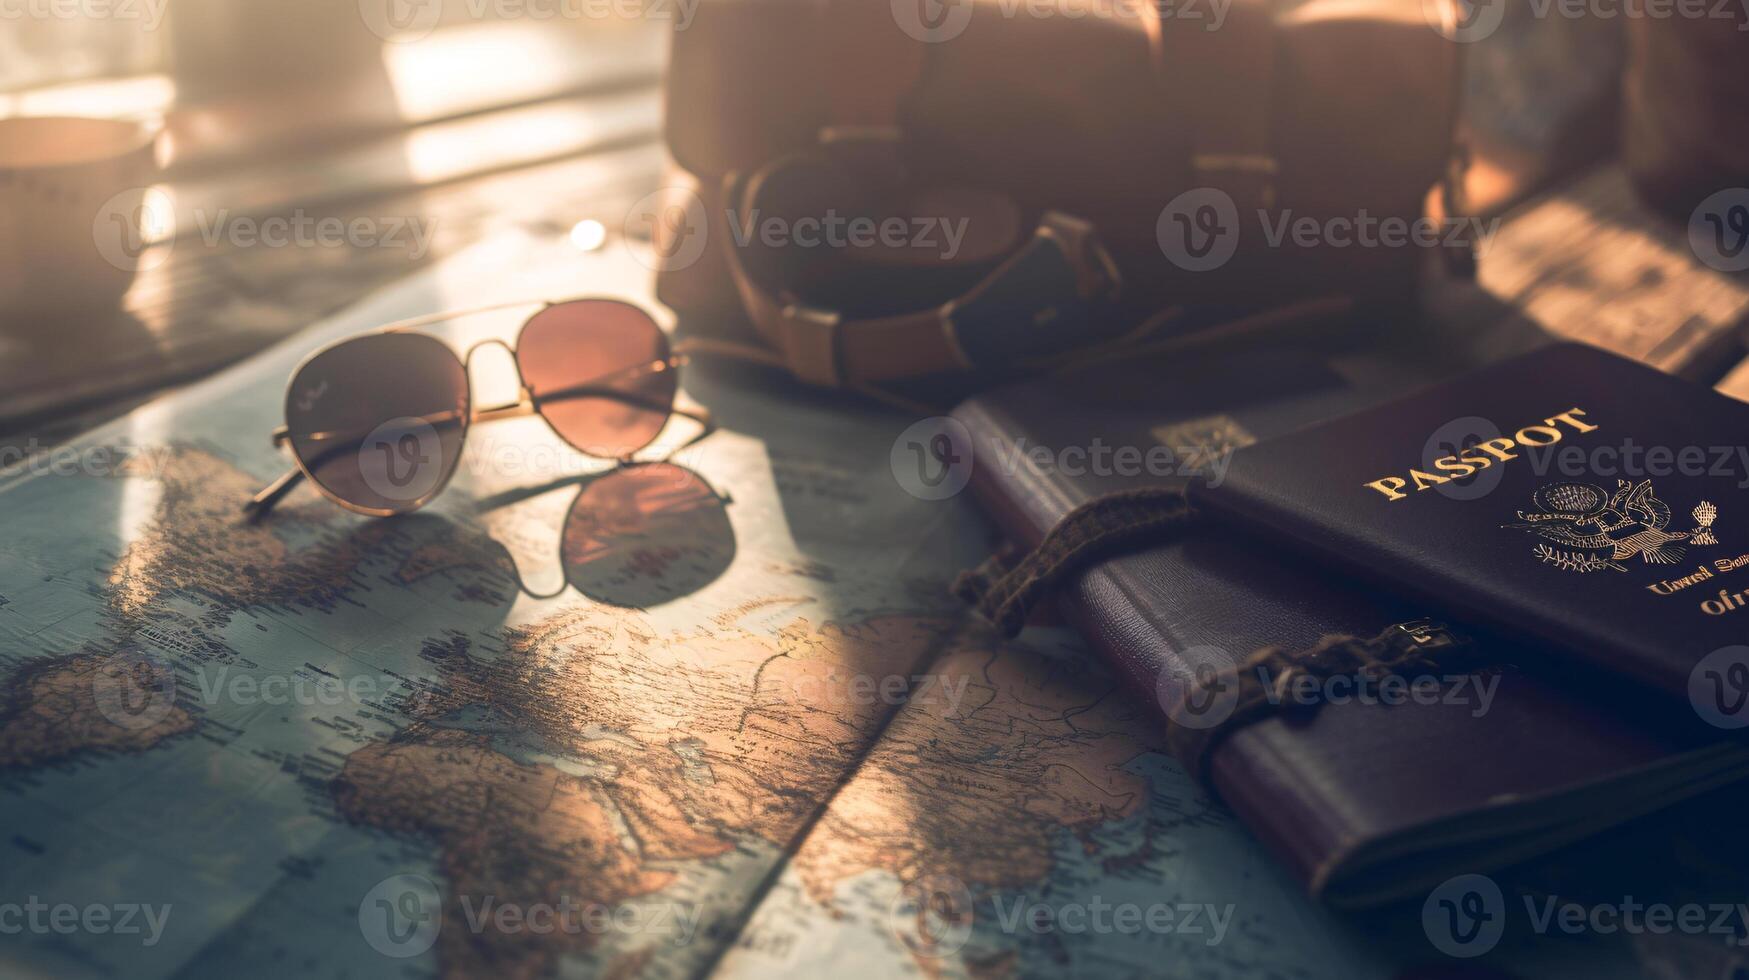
{"type": "Point", "coordinates": [1429, 634]}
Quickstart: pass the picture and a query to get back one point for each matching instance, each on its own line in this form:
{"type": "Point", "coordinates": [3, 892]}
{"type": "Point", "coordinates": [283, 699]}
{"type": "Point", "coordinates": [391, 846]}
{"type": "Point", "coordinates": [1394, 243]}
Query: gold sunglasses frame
{"type": "Point", "coordinates": [526, 403]}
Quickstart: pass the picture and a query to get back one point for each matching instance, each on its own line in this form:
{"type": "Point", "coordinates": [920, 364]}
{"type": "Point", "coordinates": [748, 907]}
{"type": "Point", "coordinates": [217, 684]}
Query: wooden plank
{"type": "Point", "coordinates": [425, 156]}
{"type": "Point", "coordinates": [406, 85]}
{"type": "Point", "coordinates": [208, 306]}
{"type": "Point", "coordinates": [1736, 382]}
{"type": "Point", "coordinates": [1589, 262]}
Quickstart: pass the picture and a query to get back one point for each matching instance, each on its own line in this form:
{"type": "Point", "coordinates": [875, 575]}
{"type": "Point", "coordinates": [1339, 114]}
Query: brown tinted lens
{"type": "Point", "coordinates": [599, 372]}
{"type": "Point", "coordinates": [643, 535]}
{"type": "Point", "coordinates": [378, 421]}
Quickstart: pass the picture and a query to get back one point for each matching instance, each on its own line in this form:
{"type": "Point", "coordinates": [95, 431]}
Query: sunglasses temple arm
{"type": "Point", "coordinates": [265, 499]}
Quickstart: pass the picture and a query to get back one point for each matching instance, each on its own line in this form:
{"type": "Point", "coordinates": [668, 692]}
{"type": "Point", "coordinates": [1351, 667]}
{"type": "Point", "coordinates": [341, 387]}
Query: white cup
{"type": "Point", "coordinates": [74, 215]}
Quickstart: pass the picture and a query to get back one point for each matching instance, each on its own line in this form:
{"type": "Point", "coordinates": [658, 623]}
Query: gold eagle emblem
{"type": "Point", "coordinates": [1599, 531]}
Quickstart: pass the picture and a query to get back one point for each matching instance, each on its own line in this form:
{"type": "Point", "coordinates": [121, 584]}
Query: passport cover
{"type": "Point", "coordinates": [1571, 496]}
{"type": "Point", "coordinates": [1363, 802]}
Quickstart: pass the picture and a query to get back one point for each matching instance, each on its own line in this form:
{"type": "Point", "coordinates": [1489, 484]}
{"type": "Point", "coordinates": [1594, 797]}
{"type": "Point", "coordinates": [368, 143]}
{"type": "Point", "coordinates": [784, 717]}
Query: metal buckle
{"type": "Point", "coordinates": [1427, 633]}
{"type": "Point", "coordinates": [1249, 178]}
{"type": "Point", "coordinates": [810, 344]}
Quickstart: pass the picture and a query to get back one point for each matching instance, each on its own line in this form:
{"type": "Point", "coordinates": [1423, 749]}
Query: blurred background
{"type": "Point", "coordinates": [435, 122]}
{"type": "Point", "coordinates": [455, 118]}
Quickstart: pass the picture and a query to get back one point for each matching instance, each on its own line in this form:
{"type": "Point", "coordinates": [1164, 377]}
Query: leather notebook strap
{"type": "Point", "coordinates": [1223, 702]}
{"type": "Point", "coordinates": [1006, 592]}
{"type": "Point", "coordinates": [1006, 588]}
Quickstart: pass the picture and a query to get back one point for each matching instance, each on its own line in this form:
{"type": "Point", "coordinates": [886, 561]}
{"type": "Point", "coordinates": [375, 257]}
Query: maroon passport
{"type": "Point", "coordinates": [1571, 495]}
{"type": "Point", "coordinates": [1366, 799]}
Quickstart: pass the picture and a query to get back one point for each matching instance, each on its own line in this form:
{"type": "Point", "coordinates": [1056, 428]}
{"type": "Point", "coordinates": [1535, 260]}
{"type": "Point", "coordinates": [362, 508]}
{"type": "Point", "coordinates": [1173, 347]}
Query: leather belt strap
{"type": "Point", "coordinates": [1220, 82]}
{"type": "Point", "coordinates": [821, 347]}
{"type": "Point", "coordinates": [874, 66]}
{"type": "Point", "coordinates": [1053, 280]}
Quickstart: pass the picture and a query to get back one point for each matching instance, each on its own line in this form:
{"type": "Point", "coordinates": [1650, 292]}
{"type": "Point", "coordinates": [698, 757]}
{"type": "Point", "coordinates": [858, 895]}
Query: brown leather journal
{"type": "Point", "coordinates": [1367, 795]}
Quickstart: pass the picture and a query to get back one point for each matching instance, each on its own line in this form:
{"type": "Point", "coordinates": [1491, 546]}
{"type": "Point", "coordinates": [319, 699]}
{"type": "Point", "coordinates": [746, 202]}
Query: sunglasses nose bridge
{"type": "Point", "coordinates": [468, 358]}
{"type": "Point", "coordinates": [524, 397]}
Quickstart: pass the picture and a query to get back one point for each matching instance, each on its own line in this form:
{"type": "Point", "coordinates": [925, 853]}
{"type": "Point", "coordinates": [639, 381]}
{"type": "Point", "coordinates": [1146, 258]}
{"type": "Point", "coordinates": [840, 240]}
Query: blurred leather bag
{"type": "Point", "coordinates": [1685, 124]}
{"type": "Point", "coordinates": [1102, 113]}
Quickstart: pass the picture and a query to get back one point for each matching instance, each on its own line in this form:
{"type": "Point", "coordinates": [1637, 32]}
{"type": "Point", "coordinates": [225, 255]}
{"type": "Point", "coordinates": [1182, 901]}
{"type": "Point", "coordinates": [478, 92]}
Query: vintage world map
{"type": "Point", "coordinates": [714, 718]}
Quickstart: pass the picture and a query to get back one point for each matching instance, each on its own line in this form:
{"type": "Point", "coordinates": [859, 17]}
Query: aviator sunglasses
{"type": "Point", "coordinates": [377, 422]}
